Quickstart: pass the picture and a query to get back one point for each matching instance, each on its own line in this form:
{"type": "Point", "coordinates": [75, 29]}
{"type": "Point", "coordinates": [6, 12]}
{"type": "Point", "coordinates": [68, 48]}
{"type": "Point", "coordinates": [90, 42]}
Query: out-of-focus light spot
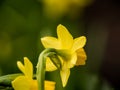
{"type": "Point", "coordinates": [57, 8]}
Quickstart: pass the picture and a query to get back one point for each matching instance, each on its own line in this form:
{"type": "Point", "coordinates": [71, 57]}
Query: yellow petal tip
{"type": "Point", "coordinates": [59, 25]}
{"type": "Point", "coordinates": [25, 58]}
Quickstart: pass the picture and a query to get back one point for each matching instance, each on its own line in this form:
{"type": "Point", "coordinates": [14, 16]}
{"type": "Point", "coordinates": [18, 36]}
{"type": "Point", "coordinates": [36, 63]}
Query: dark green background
{"type": "Point", "coordinates": [23, 23]}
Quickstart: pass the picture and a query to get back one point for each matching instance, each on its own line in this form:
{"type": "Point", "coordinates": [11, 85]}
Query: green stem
{"type": "Point", "coordinates": [50, 52]}
{"type": "Point", "coordinates": [6, 79]}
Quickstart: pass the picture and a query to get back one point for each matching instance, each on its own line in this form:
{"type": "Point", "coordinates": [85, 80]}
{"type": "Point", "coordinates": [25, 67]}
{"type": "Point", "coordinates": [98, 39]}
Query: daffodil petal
{"type": "Point", "coordinates": [65, 37]}
{"type": "Point", "coordinates": [79, 43]}
{"type": "Point", "coordinates": [49, 65]}
{"type": "Point", "coordinates": [49, 85]}
{"type": "Point", "coordinates": [50, 42]}
{"type": "Point", "coordinates": [81, 57]}
{"type": "Point", "coordinates": [64, 76]}
{"type": "Point", "coordinates": [21, 83]}
{"type": "Point", "coordinates": [34, 85]}
{"type": "Point", "coordinates": [73, 60]}
{"type": "Point", "coordinates": [21, 66]}
{"type": "Point", "coordinates": [28, 68]}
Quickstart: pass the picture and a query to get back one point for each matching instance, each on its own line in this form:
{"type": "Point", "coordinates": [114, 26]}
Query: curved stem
{"type": "Point", "coordinates": [50, 52]}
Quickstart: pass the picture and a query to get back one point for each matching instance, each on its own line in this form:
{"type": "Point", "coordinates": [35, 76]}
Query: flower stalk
{"type": "Point", "coordinates": [41, 66]}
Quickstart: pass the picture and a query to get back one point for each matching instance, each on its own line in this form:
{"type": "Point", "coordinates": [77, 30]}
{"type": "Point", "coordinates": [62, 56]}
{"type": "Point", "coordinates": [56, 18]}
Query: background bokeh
{"type": "Point", "coordinates": [24, 22]}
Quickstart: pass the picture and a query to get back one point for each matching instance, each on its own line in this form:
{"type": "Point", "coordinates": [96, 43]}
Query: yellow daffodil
{"type": "Point", "coordinates": [70, 51]}
{"type": "Point", "coordinates": [26, 82]}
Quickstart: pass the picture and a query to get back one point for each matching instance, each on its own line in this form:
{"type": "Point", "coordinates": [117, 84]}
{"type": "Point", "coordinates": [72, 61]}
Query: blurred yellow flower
{"type": "Point", "coordinates": [70, 51]}
{"type": "Point", "coordinates": [26, 82]}
{"type": "Point", "coordinates": [58, 8]}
